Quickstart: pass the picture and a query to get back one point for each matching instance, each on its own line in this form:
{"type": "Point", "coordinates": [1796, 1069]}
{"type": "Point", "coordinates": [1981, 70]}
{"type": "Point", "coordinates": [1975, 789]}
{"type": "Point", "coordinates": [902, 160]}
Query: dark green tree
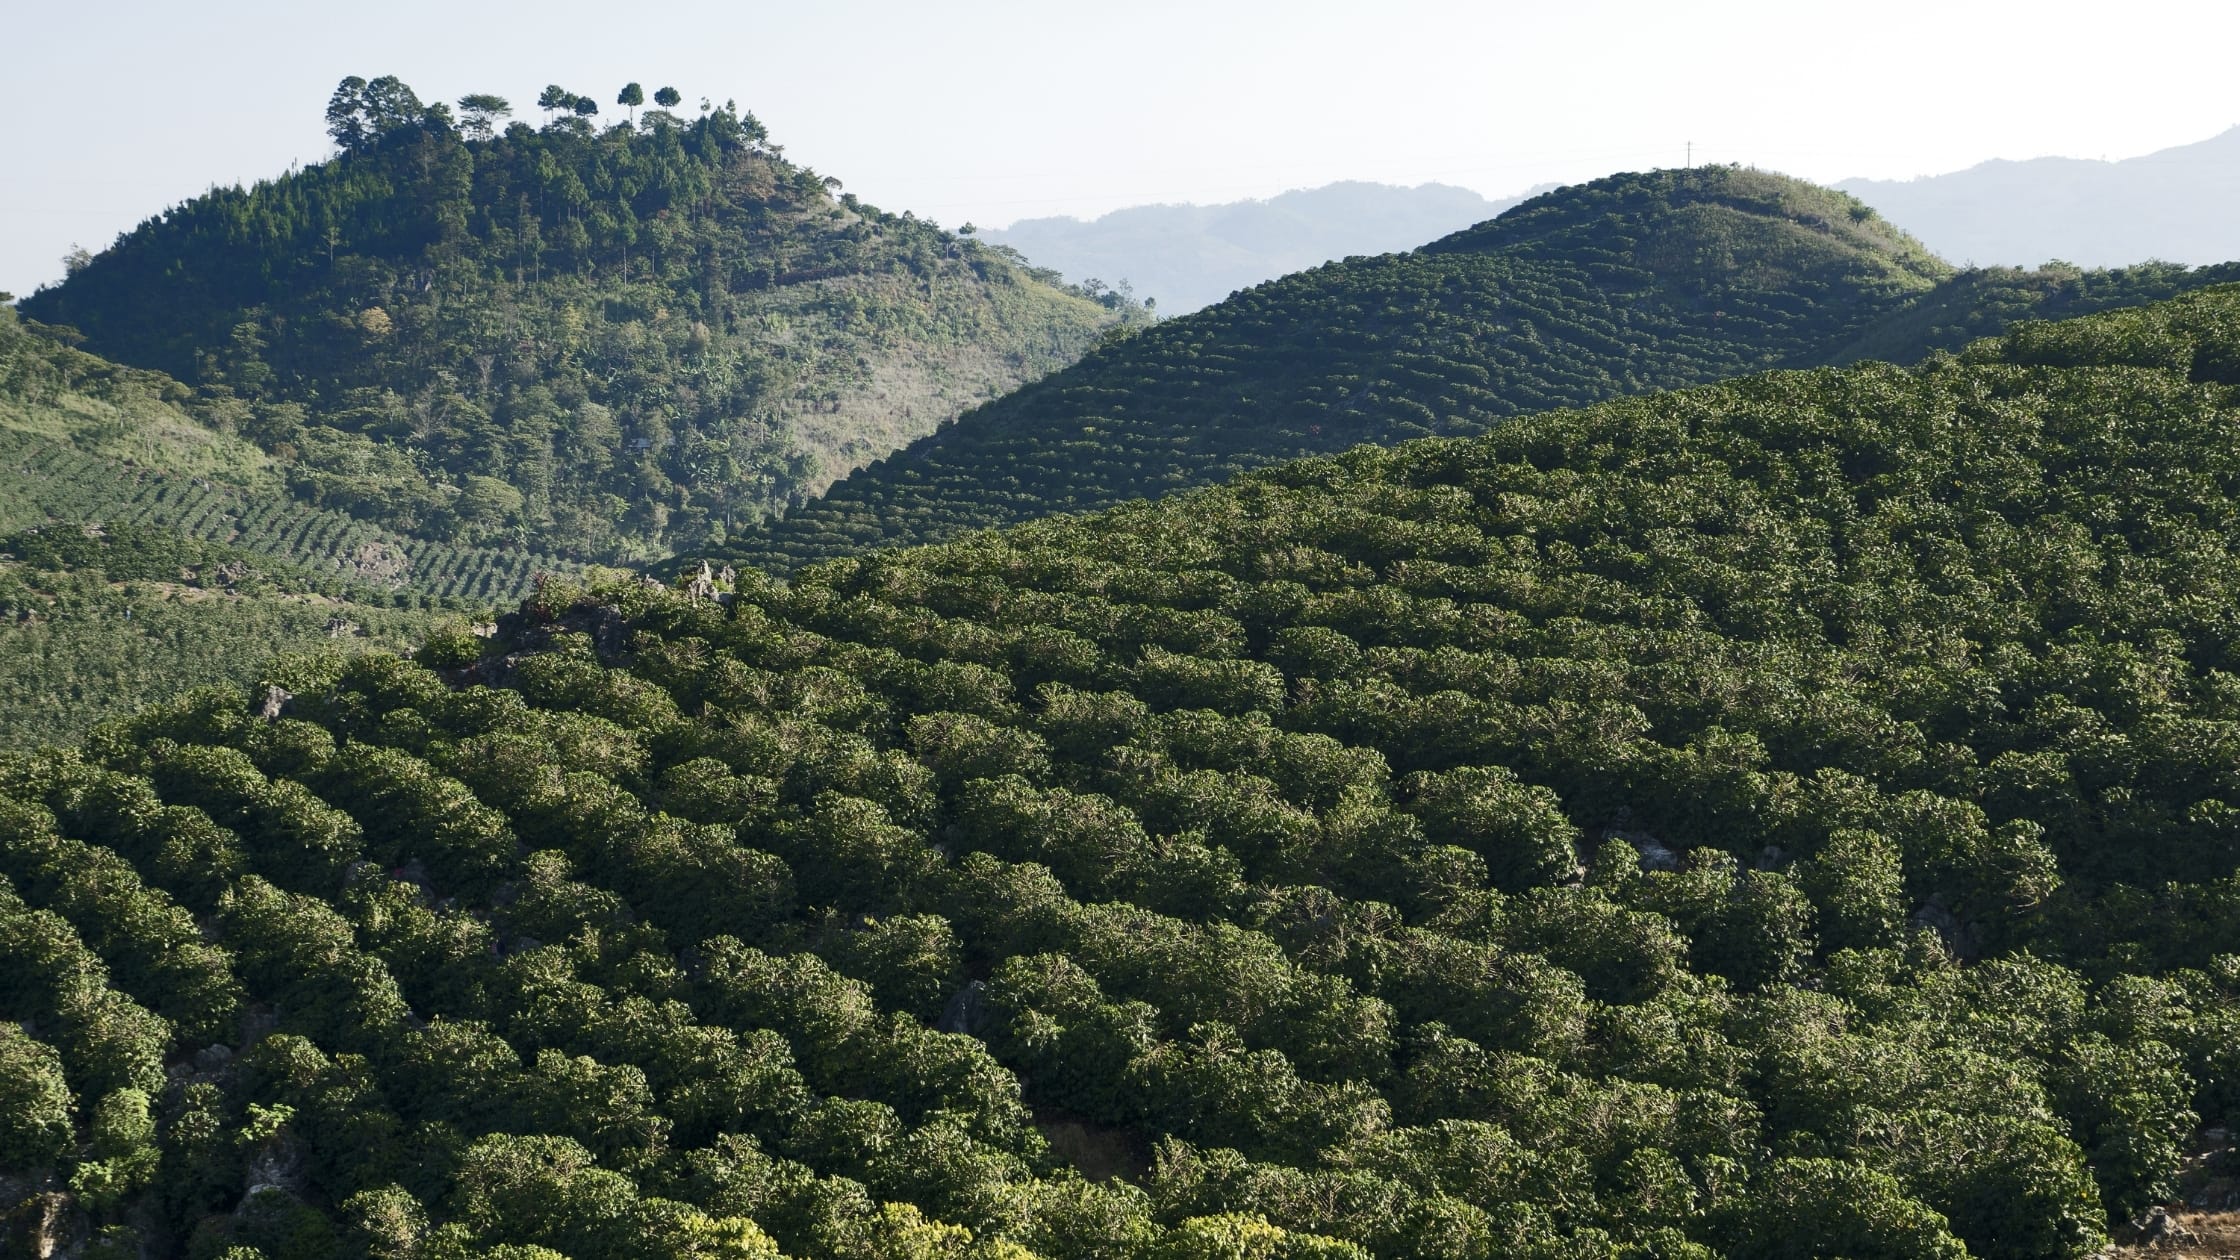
{"type": "Point", "coordinates": [35, 1104]}
{"type": "Point", "coordinates": [555, 98]}
{"type": "Point", "coordinates": [480, 114]}
{"type": "Point", "coordinates": [391, 107]}
{"type": "Point", "coordinates": [346, 115]}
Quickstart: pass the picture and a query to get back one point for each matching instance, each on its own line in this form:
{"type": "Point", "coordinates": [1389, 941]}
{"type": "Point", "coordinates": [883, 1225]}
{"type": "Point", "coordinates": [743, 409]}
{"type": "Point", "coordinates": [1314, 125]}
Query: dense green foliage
{"type": "Point", "coordinates": [53, 393]}
{"type": "Point", "coordinates": [48, 483]}
{"type": "Point", "coordinates": [601, 343]}
{"type": "Point", "coordinates": [110, 476]}
{"type": "Point", "coordinates": [86, 442]}
{"type": "Point", "coordinates": [94, 626]}
{"type": "Point", "coordinates": [1983, 302]}
{"type": "Point", "coordinates": [1787, 818]}
{"type": "Point", "coordinates": [1627, 284]}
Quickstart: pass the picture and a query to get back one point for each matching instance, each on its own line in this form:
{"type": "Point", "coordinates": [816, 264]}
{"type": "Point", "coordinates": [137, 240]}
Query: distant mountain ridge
{"type": "Point", "coordinates": [1191, 256]}
{"type": "Point", "coordinates": [2175, 205]}
{"type": "Point", "coordinates": [1628, 284]}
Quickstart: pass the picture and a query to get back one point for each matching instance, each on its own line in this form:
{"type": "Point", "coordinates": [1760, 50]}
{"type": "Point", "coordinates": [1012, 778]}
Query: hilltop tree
{"type": "Point", "coordinates": [480, 113]}
{"type": "Point", "coordinates": [632, 96]}
{"type": "Point", "coordinates": [362, 113]}
{"type": "Point", "coordinates": [555, 98]}
{"type": "Point", "coordinates": [585, 107]}
{"type": "Point", "coordinates": [390, 106]}
{"type": "Point", "coordinates": [346, 121]}
{"type": "Point", "coordinates": [668, 98]}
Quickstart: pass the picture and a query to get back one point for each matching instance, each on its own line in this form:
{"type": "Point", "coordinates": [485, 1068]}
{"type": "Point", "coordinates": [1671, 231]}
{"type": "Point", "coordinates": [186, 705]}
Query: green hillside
{"type": "Point", "coordinates": [1785, 818]}
{"type": "Point", "coordinates": [100, 626]}
{"type": "Point", "coordinates": [605, 343]}
{"type": "Point", "coordinates": [1984, 302]}
{"type": "Point", "coordinates": [145, 550]}
{"type": "Point", "coordinates": [1628, 284]}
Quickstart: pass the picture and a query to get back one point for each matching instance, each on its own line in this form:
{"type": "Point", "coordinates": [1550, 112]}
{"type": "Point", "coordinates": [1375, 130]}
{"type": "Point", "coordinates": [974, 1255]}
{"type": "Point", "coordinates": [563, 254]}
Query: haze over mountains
{"type": "Point", "coordinates": [2172, 205]}
{"type": "Point", "coordinates": [1189, 256]}
{"type": "Point", "coordinates": [2176, 205]}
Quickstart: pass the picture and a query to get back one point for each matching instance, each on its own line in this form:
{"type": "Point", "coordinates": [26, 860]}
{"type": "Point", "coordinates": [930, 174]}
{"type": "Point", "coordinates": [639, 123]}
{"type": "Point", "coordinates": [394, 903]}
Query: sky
{"type": "Point", "coordinates": [997, 110]}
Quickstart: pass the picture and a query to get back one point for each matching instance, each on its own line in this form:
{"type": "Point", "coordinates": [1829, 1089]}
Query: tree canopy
{"type": "Point", "coordinates": [1781, 818]}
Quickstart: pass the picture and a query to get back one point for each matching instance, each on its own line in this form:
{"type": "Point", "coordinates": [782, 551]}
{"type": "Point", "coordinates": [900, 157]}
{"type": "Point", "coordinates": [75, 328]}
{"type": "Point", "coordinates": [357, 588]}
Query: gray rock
{"type": "Point", "coordinates": [1656, 855]}
{"type": "Point", "coordinates": [1959, 940]}
{"type": "Point", "coordinates": [44, 1226]}
{"type": "Point", "coordinates": [276, 1168]}
{"type": "Point", "coordinates": [258, 1023]}
{"type": "Point", "coordinates": [966, 1011]}
{"type": "Point", "coordinates": [275, 702]}
{"type": "Point", "coordinates": [2158, 1230]}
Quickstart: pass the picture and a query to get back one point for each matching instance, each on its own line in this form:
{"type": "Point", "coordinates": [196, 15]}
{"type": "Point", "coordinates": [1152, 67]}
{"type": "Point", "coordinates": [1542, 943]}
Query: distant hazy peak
{"type": "Point", "coordinates": [1367, 193]}
{"type": "Point", "coordinates": [2222, 147]}
{"type": "Point", "coordinates": [2174, 204]}
{"type": "Point", "coordinates": [1189, 256]}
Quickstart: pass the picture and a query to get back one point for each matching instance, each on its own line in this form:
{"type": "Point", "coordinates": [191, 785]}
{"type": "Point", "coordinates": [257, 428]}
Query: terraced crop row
{"type": "Point", "coordinates": [42, 481]}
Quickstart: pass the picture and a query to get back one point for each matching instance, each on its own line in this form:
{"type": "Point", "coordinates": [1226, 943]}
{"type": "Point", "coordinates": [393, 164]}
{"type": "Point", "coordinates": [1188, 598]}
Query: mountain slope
{"type": "Point", "coordinates": [1983, 302]}
{"type": "Point", "coordinates": [2174, 205]}
{"type": "Point", "coordinates": [602, 343]}
{"type": "Point", "coordinates": [1628, 284]}
{"type": "Point", "coordinates": [1782, 818]}
{"type": "Point", "coordinates": [1186, 257]}
{"type": "Point", "coordinates": [144, 551]}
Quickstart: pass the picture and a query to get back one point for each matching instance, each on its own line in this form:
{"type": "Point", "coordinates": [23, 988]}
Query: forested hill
{"type": "Point", "coordinates": [1792, 817]}
{"type": "Point", "coordinates": [603, 341]}
{"type": "Point", "coordinates": [1627, 284]}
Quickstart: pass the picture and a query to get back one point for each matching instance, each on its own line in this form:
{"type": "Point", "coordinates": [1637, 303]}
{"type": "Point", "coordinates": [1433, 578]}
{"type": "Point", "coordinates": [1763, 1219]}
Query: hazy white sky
{"type": "Point", "coordinates": [1004, 109]}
